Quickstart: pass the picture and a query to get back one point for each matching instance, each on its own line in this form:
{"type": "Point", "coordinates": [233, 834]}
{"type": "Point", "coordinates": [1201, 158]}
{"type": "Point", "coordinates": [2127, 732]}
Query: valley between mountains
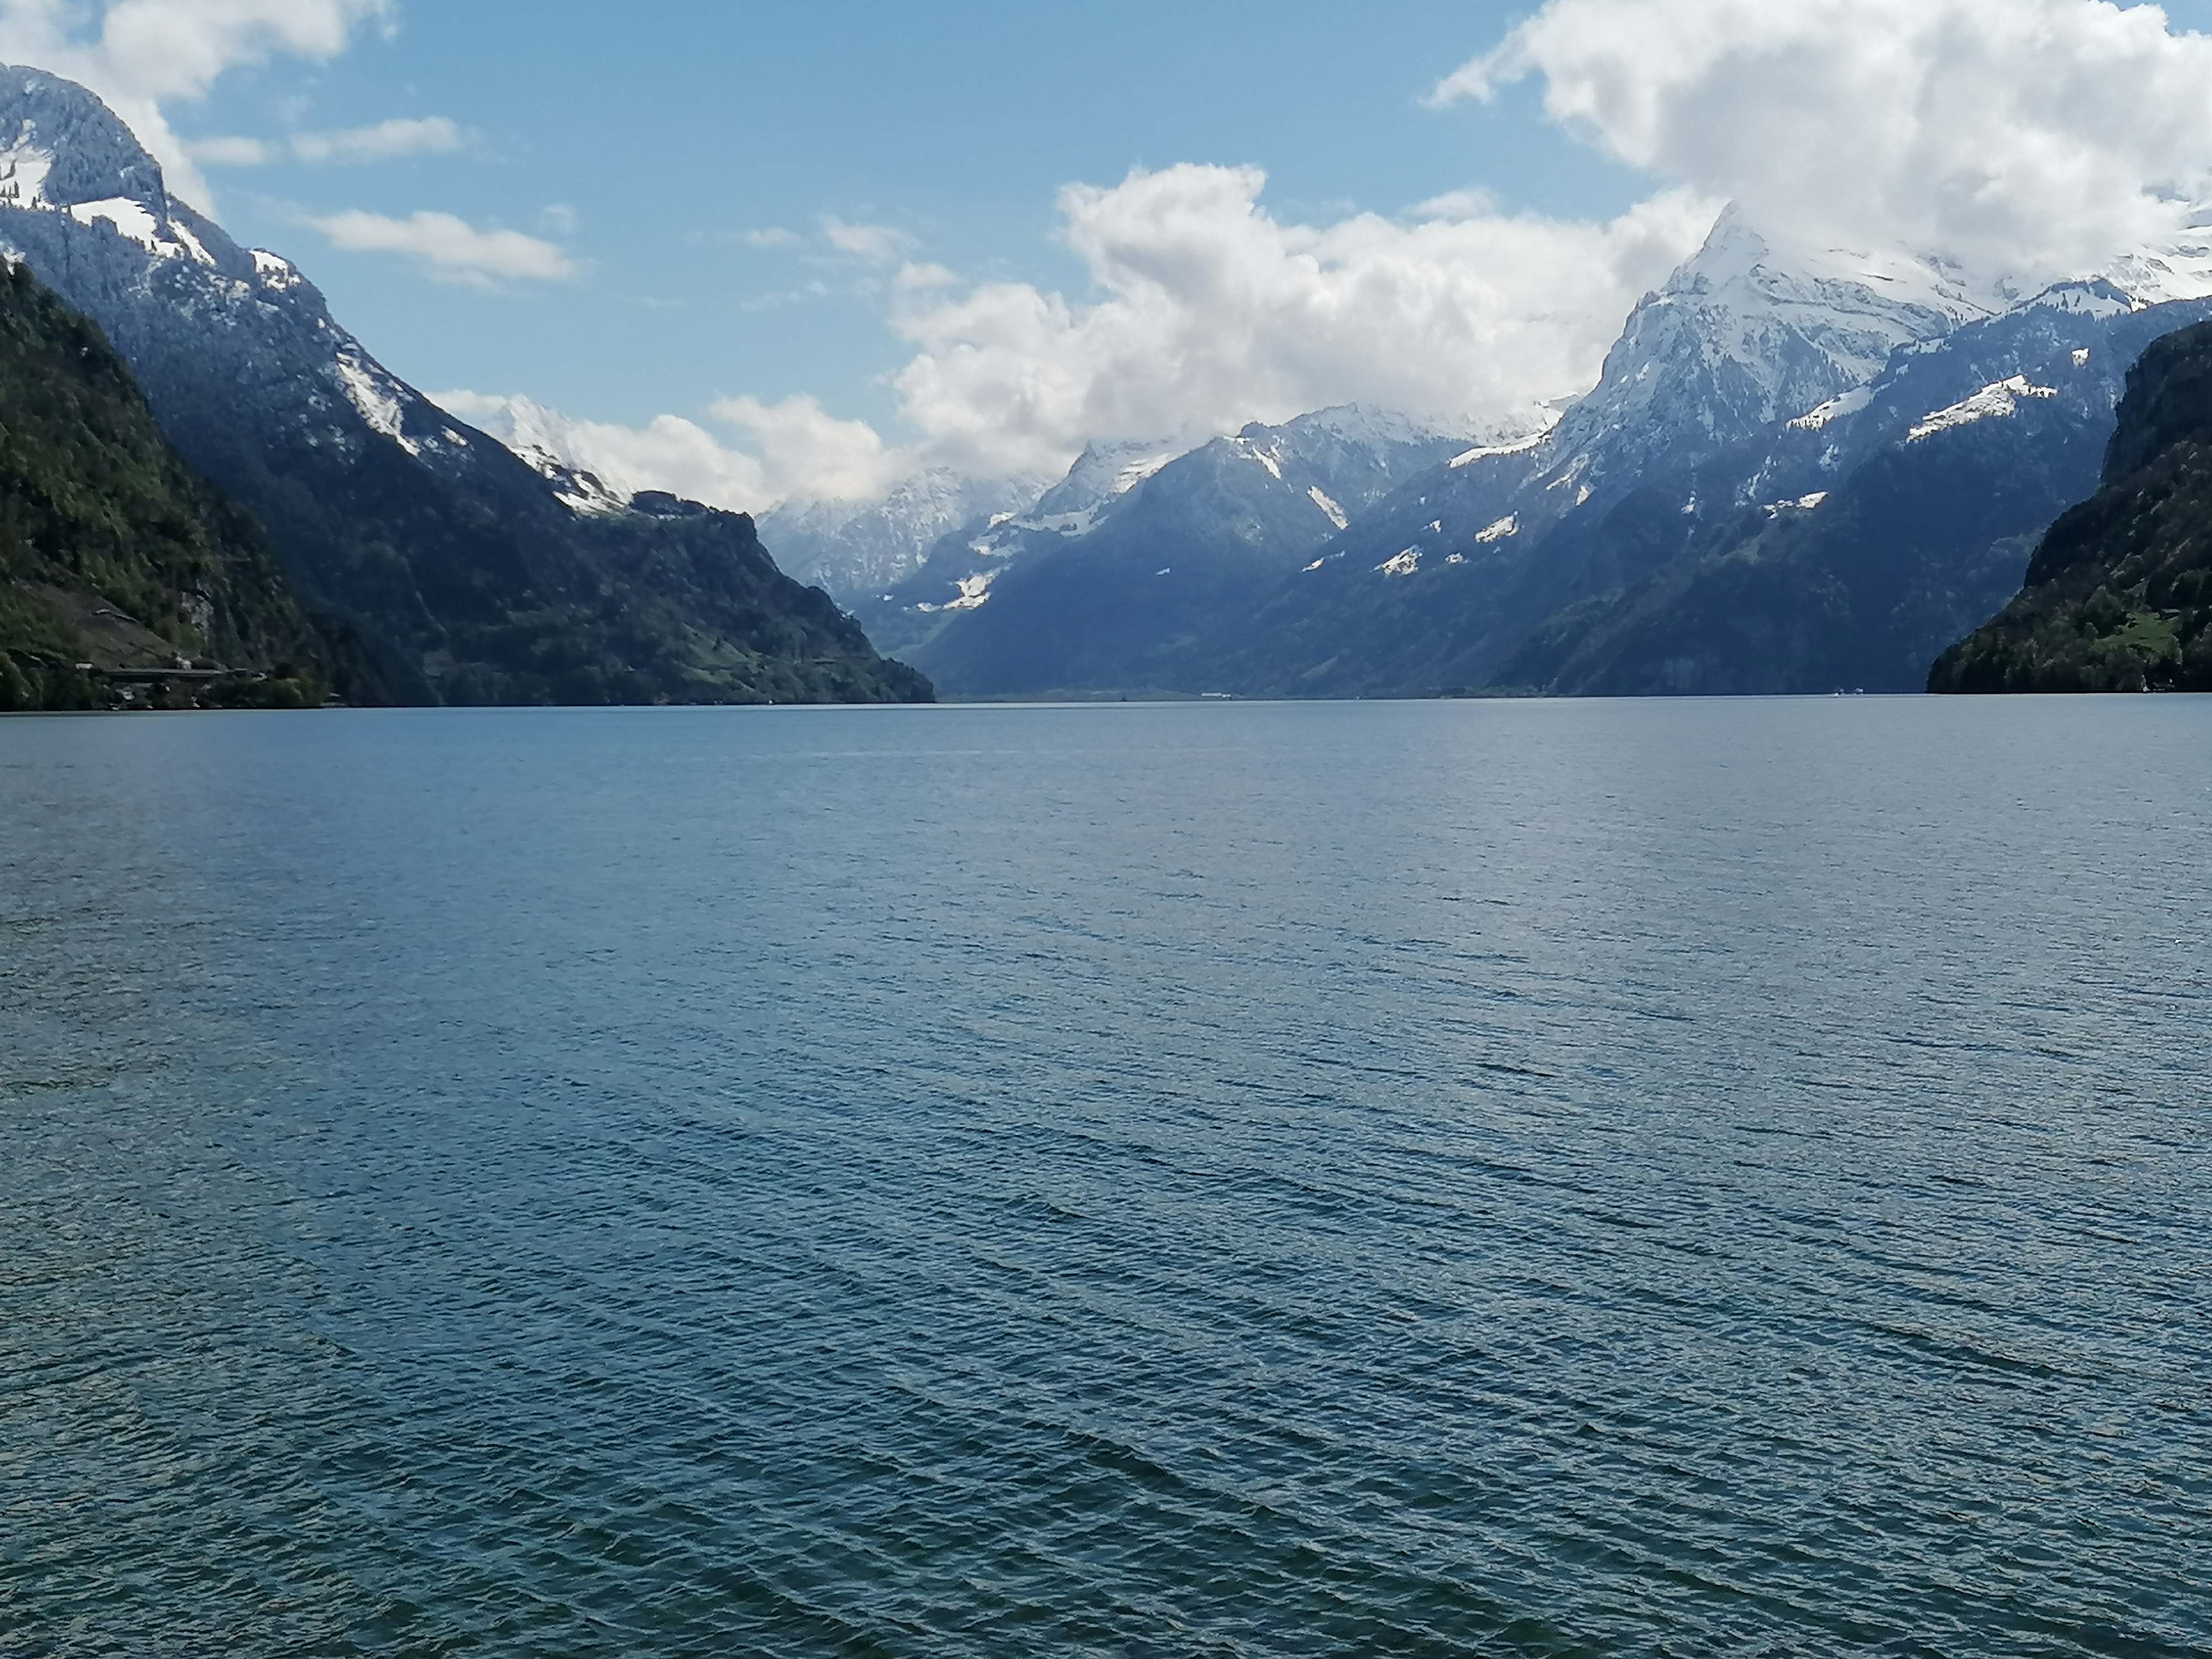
{"type": "Point", "coordinates": [1803, 470]}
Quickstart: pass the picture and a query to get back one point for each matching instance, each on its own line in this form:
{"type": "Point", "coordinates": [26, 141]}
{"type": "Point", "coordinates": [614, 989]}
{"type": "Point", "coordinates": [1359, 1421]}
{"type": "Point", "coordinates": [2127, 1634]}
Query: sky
{"type": "Point", "coordinates": [761, 251]}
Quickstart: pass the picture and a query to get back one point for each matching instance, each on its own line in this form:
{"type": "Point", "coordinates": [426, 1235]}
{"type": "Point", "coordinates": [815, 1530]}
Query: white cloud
{"type": "Point", "coordinates": [2034, 138]}
{"type": "Point", "coordinates": [1210, 312]}
{"type": "Point", "coordinates": [875, 245]}
{"type": "Point", "coordinates": [773, 237]}
{"type": "Point", "coordinates": [920, 278]}
{"type": "Point", "coordinates": [669, 453]}
{"type": "Point", "coordinates": [1213, 312]}
{"type": "Point", "coordinates": [792, 448]}
{"type": "Point", "coordinates": [234, 152]}
{"type": "Point", "coordinates": [2030, 138]}
{"type": "Point", "coordinates": [385, 141]}
{"type": "Point", "coordinates": [804, 450]}
{"type": "Point", "coordinates": [451, 249]}
{"type": "Point", "coordinates": [141, 55]}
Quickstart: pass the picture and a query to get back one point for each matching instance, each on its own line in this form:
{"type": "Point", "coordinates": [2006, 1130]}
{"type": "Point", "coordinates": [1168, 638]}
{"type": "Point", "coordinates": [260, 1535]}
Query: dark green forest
{"type": "Point", "coordinates": [112, 553]}
{"type": "Point", "coordinates": [2118, 596]}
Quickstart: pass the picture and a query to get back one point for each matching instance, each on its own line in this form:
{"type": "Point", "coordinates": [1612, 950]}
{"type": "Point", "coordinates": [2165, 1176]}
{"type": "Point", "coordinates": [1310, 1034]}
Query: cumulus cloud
{"type": "Point", "coordinates": [875, 245]}
{"type": "Point", "coordinates": [804, 450]}
{"type": "Point", "coordinates": [1208, 312]}
{"type": "Point", "coordinates": [1211, 311]}
{"type": "Point", "coordinates": [2029, 139]}
{"type": "Point", "coordinates": [450, 248]}
{"type": "Point", "coordinates": [777, 451]}
{"type": "Point", "coordinates": [2034, 138]}
{"type": "Point", "coordinates": [669, 453]}
{"type": "Point", "coordinates": [142, 55]}
{"type": "Point", "coordinates": [383, 142]}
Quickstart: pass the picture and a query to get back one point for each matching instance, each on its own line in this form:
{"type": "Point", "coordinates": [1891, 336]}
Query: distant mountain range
{"type": "Point", "coordinates": [1110, 579]}
{"type": "Point", "coordinates": [468, 574]}
{"type": "Point", "coordinates": [1802, 471]}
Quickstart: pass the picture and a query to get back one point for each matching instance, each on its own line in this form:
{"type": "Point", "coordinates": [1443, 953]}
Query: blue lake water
{"type": "Point", "coordinates": [1521, 1179]}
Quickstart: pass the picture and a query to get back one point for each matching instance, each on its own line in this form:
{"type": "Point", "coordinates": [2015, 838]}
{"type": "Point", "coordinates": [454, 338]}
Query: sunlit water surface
{"type": "Point", "coordinates": [1624, 1179]}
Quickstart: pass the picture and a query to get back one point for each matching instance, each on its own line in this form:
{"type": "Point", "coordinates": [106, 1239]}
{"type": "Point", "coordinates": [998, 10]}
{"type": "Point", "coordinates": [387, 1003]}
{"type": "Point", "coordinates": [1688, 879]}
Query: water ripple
{"type": "Point", "coordinates": [1619, 1179]}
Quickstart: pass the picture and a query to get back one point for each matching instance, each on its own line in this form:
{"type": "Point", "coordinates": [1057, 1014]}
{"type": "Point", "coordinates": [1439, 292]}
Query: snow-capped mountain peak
{"type": "Point", "coordinates": [63, 151]}
{"type": "Point", "coordinates": [2177, 267]}
{"type": "Point", "coordinates": [1102, 474]}
{"type": "Point", "coordinates": [1751, 331]}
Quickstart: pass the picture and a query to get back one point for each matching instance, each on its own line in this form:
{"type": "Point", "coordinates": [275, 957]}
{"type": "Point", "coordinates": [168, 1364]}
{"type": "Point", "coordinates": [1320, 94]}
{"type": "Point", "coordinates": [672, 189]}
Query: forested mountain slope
{"type": "Point", "coordinates": [113, 556]}
{"type": "Point", "coordinates": [2119, 597]}
{"type": "Point", "coordinates": [473, 577]}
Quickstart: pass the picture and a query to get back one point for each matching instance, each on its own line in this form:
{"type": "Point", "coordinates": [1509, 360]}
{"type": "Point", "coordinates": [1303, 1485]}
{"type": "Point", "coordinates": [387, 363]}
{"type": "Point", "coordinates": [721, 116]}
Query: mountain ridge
{"type": "Point", "coordinates": [474, 576]}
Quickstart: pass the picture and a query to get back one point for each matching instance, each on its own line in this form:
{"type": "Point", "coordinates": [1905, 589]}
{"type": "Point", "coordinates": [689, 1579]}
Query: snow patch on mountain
{"type": "Point", "coordinates": [975, 594]}
{"type": "Point", "coordinates": [23, 169]}
{"type": "Point", "coordinates": [1490, 452]}
{"type": "Point", "coordinates": [165, 239]}
{"type": "Point", "coordinates": [375, 395]}
{"type": "Point", "coordinates": [1836, 409]}
{"type": "Point", "coordinates": [1266, 458]}
{"type": "Point", "coordinates": [1992, 402]}
{"type": "Point", "coordinates": [275, 271]}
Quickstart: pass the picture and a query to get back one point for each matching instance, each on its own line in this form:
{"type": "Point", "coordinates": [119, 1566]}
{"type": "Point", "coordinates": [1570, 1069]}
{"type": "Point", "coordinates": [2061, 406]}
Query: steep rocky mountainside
{"type": "Point", "coordinates": [2118, 596]}
{"type": "Point", "coordinates": [1864, 539]}
{"type": "Point", "coordinates": [112, 554]}
{"type": "Point", "coordinates": [1111, 580]}
{"type": "Point", "coordinates": [1694, 527]}
{"type": "Point", "coordinates": [1436, 586]}
{"type": "Point", "coordinates": [473, 576]}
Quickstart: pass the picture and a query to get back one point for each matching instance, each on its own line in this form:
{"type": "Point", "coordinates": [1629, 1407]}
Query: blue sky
{"type": "Point", "coordinates": [753, 252]}
{"type": "Point", "coordinates": [672, 127]}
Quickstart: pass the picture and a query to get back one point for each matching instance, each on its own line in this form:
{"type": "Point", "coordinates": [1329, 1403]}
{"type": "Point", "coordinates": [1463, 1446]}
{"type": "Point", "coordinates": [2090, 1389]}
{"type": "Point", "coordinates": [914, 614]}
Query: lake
{"type": "Point", "coordinates": [1563, 1179]}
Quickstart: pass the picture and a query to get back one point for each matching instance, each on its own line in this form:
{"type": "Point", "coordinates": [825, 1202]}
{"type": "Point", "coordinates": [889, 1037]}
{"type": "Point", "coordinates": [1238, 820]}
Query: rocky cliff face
{"type": "Point", "coordinates": [1849, 547]}
{"type": "Point", "coordinates": [2118, 595]}
{"type": "Point", "coordinates": [473, 576]}
{"type": "Point", "coordinates": [1438, 585]}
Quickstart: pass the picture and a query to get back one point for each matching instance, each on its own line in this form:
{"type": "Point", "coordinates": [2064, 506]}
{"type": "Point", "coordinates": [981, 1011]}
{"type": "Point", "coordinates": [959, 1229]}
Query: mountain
{"type": "Point", "coordinates": [473, 576]}
{"type": "Point", "coordinates": [2118, 596]}
{"type": "Point", "coordinates": [956, 572]}
{"type": "Point", "coordinates": [1860, 540]}
{"type": "Point", "coordinates": [114, 556]}
{"type": "Point", "coordinates": [1108, 583]}
{"type": "Point", "coordinates": [855, 550]}
{"type": "Point", "coordinates": [1441, 580]}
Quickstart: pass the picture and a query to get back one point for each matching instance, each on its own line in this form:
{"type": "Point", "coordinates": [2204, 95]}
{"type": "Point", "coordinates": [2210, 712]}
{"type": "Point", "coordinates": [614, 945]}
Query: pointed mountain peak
{"type": "Point", "coordinates": [1732, 250]}
{"type": "Point", "coordinates": [1747, 263]}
